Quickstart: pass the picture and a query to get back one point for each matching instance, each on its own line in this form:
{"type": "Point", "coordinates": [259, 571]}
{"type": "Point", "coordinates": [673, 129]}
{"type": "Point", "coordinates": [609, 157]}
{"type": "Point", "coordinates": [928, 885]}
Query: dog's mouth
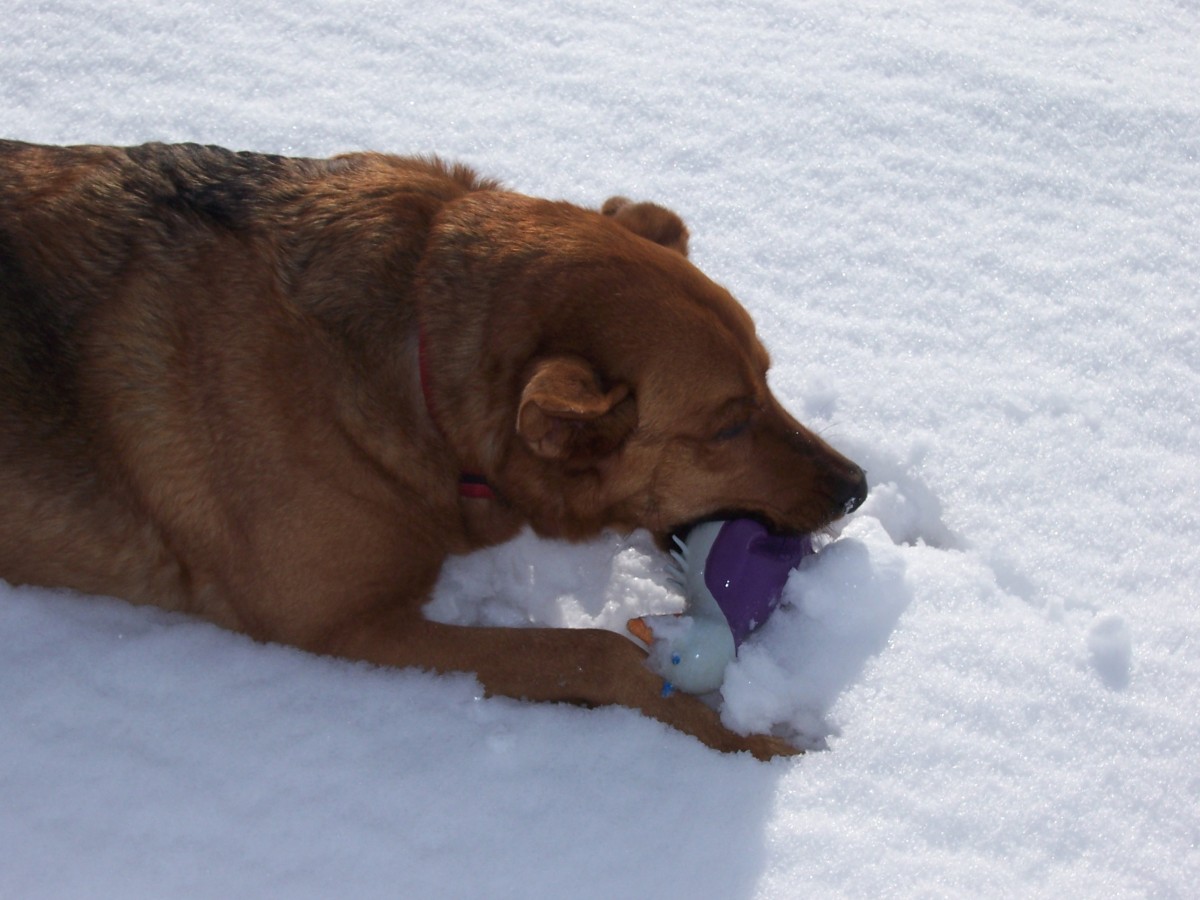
{"type": "Point", "coordinates": [679, 533]}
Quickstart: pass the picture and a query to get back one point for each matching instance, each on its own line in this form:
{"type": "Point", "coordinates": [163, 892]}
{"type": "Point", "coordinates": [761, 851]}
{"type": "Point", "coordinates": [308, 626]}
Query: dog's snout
{"type": "Point", "coordinates": [853, 491]}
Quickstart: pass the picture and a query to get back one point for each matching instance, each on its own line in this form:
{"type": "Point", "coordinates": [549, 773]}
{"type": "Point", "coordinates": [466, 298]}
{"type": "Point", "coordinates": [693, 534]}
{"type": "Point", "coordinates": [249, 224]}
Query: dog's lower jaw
{"type": "Point", "coordinates": [489, 520]}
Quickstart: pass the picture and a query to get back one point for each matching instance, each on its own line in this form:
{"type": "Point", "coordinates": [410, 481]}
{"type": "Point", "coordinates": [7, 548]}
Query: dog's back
{"type": "Point", "coordinates": [59, 519]}
{"type": "Point", "coordinates": [143, 294]}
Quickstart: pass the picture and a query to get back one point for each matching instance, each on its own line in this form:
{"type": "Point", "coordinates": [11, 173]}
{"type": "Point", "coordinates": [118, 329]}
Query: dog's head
{"type": "Point", "coordinates": [599, 380]}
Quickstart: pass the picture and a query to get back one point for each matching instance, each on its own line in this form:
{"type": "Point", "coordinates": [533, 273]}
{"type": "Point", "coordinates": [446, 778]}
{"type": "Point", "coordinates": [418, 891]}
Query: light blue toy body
{"type": "Point", "coordinates": [692, 651]}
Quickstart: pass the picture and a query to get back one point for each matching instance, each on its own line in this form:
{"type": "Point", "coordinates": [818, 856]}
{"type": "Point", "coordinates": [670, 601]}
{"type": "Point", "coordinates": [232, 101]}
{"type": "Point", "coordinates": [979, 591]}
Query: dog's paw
{"type": "Point", "coordinates": [698, 719]}
{"type": "Point", "coordinates": [764, 747]}
{"type": "Point", "coordinates": [636, 686]}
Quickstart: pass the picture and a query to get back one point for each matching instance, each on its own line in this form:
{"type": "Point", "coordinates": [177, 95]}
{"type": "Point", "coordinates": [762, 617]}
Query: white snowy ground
{"type": "Point", "coordinates": [968, 232]}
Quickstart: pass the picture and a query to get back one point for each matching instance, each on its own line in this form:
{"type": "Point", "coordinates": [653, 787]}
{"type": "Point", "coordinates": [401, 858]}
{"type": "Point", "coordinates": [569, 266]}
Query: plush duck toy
{"type": "Point", "coordinates": [732, 572]}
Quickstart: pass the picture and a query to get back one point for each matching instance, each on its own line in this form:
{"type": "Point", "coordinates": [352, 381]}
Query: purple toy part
{"type": "Point", "coordinates": [746, 570]}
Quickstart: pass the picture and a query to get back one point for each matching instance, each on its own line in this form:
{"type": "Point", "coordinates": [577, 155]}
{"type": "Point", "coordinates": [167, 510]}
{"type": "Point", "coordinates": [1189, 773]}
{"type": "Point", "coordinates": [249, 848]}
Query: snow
{"type": "Point", "coordinates": [969, 234]}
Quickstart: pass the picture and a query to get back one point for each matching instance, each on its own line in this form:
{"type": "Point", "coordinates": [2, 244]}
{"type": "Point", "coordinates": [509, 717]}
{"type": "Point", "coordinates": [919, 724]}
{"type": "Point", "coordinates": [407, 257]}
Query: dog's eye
{"type": "Point", "coordinates": [731, 431]}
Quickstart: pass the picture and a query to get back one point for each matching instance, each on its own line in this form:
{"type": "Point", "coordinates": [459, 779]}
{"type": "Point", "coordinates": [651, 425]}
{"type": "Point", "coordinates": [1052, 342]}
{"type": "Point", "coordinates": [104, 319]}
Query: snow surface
{"type": "Point", "coordinates": [968, 232]}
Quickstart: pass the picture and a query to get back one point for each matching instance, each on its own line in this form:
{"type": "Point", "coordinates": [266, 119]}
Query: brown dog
{"type": "Point", "coordinates": [277, 393]}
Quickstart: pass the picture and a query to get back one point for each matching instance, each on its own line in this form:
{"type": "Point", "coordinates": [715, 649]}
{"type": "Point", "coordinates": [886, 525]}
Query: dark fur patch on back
{"type": "Point", "coordinates": [38, 359]}
{"type": "Point", "coordinates": [218, 185]}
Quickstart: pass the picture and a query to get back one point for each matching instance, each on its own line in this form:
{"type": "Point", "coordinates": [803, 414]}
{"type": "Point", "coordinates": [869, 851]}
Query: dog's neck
{"type": "Point", "coordinates": [472, 485]}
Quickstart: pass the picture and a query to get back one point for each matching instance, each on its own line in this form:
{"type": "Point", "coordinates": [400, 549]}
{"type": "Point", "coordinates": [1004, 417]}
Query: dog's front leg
{"type": "Point", "coordinates": [585, 666]}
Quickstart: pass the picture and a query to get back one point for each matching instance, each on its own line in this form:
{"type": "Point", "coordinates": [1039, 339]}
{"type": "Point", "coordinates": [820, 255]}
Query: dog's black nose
{"type": "Point", "coordinates": [853, 492]}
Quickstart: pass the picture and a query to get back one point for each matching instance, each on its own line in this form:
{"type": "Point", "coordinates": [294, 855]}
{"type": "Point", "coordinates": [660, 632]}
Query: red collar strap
{"type": "Point", "coordinates": [470, 484]}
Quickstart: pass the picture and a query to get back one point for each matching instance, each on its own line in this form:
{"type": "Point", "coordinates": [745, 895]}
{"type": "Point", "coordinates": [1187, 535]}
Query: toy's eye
{"type": "Point", "coordinates": [737, 429]}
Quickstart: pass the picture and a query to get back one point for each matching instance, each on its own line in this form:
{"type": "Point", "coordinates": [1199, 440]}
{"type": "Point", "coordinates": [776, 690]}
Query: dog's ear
{"type": "Point", "coordinates": [651, 221]}
{"type": "Point", "coordinates": [566, 415]}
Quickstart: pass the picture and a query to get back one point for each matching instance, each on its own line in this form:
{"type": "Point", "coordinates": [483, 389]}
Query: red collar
{"type": "Point", "coordinates": [470, 484]}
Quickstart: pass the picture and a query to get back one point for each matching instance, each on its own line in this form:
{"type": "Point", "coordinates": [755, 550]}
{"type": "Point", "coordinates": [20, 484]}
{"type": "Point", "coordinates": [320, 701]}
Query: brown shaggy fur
{"type": "Point", "coordinates": [210, 400]}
